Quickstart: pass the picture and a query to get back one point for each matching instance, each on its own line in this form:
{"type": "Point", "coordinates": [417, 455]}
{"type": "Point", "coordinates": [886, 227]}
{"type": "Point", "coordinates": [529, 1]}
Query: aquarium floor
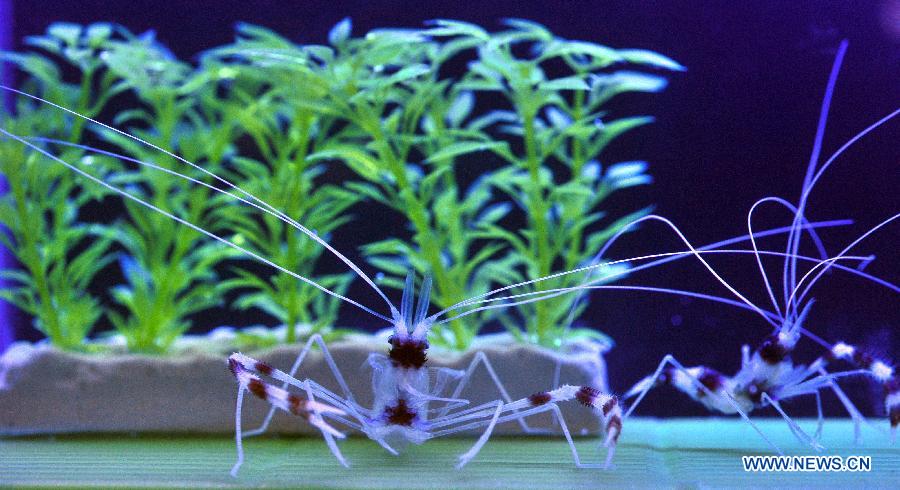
{"type": "Point", "coordinates": [684, 453]}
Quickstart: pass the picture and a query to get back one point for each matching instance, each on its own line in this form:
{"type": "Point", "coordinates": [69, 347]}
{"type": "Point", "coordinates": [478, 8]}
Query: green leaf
{"type": "Point", "coordinates": [261, 34]}
{"type": "Point", "coordinates": [21, 277]}
{"type": "Point", "coordinates": [597, 239]}
{"type": "Point", "coordinates": [494, 213]}
{"type": "Point", "coordinates": [601, 55]}
{"type": "Point", "coordinates": [368, 190]}
{"type": "Point", "coordinates": [430, 181]}
{"type": "Point", "coordinates": [19, 298]}
{"type": "Point", "coordinates": [456, 28]}
{"type": "Point", "coordinates": [392, 246]}
{"type": "Point", "coordinates": [483, 255]}
{"type": "Point", "coordinates": [629, 81]}
{"type": "Point", "coordinates": [623, 170]}
{"type": "Point", "coordinates": [460, 108]}
{"type": "Point", "coordinates": [585, 333]}
{"type": "Point", "coordinates": [407, 73]}
{"type": "Point", "coordinates": [566, 83]}
{"type": "Point", "coordinates": [464, 147]}
{"type": "Point", "coordinates": [492, 231]}
{"type": "Point", "coordinates": [613, 129]}
{"type": "Point", "coordinates": [48, 44]}
{"type": "Point", "coordinates": [535, 30]}
{"type": "Point", "coordinates": [34, 65]}
{"type": "Point", "coordinates": [394, 266]}
{"type": "Point", "coordinates": [66, 32]}
{"type": "Point", "coordinates": [361, 161]}
{"type": "Point", "coordinates": [98, 33]}
{"type": "Point", "coordinates": [650, 58]}
{"type": "Point", "coordinates": [339, 34]}
{"type": "Point", "coordinates": [570, 189]}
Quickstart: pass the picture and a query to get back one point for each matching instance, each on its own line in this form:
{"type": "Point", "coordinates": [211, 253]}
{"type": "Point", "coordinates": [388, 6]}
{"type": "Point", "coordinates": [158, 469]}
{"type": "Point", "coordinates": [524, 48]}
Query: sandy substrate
{"type": "Point", "coordinates": [43, 390]}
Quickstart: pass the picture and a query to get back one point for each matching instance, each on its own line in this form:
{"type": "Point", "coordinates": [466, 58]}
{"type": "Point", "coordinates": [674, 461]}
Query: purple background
{"type": "Point", "coordinates": [737, 126]}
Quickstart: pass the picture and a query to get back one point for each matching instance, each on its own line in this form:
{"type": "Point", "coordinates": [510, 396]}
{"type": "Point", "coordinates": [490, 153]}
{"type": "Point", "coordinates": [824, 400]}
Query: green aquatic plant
{"type": "Point", "coordinates": [272, 114]}
{"type": "Point", "coordinates": [386, 109]}
{"type": "Point", "coordinates": [60, 255]}
{"type": "Point", "coordinates": [551, 135]}
{"type": "Point", "coordinates": [364, 100]}
{"type": "Point", "coordinates": [406, 130]}
{"type": "Point", "coordinates": [169, 270]}
{"type": "Point", "coordinates": [461, 156]}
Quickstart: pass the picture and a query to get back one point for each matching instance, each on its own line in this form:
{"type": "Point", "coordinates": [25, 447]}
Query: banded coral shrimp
{"type": "Point", "coordinates": [402, 380]}
{"type": "Point", "coordinates": [768, 375]}
{"type": "Point", "coordinates": [408, 352]}
{"type": "Point", "coordinates": [771, 367]}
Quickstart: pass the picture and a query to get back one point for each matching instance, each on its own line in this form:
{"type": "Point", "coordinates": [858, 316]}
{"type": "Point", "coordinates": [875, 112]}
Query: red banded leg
{"type": "Point", "coordinates": [644, 386]}
{"type": "Point", "coordinates": [487, 415]}
{"type": "Point", "coordinates": [348, 395]}
{"type": "Point", "coordinates": [879, 369]}
{"type": "Point", "coordinates": [308, 409]}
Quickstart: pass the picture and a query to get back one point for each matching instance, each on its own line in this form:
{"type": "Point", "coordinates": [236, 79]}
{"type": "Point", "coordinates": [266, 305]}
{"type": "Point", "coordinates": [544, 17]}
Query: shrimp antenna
{"type": "Point", "coordinates": [812, 176]}
{"type": "Point", "coordinates": [662, 258]}
{"type": "Point", "coordinates": [551, 293]}
{"type": "Point", "coordinates": [406, 303]}
{"type": "Point", "coordinates": [793, 328]}
{"type": "Point", "coordinates": [828, 163]}
{"type": "Point", "coordinates": [835, 155]}
{"type": "Point", "coordinates": [272, 210]}
{"type": "Point", "coordinates": [424, 299]}
{"type": "Point", "coordinates": [161, 169]}
{"type": "Point", "coordinates": [846, 249]}
{"type": "Point", "coordinates": [820, 265]}
{"type": "Point", "coordinates": [793, 245]}
{"type": "Point", "coordinates": [588, 285]}
{"type": "Point", "coordinates": [684, 239]}
{"type": "Point", "coordinates": [815, 237]}
{"type": "Point", "coordinates": [187, 223]}
{"type": "Point", "coordinates": [751, 236]}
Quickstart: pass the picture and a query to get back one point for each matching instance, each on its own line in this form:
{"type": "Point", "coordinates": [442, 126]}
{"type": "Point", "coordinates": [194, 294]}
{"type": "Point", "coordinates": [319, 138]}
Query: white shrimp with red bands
{"type": "Point", "coordinates": [769, 375]}
{"type": "Point", "coordinates": [242, 366]}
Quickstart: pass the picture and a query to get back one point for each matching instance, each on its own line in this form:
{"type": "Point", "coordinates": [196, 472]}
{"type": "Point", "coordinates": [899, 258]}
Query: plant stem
{"type": "Point", "coordinates": [84, 99]}
{"type": "Point", "coordinates": [294, 199]}
{"type": "Point", "coordinates": [445, 289]}
{"type": "Point", "coordinates": [537, 215]}
{"type": "Point", "coordinates": [458, 246]}
{"type": "Point", "coordinates": [32, 260]}
{"type": "Point", "coordinates": [578, 161]}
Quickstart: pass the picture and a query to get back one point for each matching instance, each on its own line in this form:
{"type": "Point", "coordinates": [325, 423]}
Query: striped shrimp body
{"type": "Point", "coordinates": [768, 374]}
{"type": "Point", "coordinates": [402, 410]}
{"type": "Point", "coordinates": [880, 370]}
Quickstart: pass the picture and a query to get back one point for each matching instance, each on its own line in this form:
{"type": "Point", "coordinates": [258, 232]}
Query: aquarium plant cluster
{"type": "Point", "coordinates": [487, 144]}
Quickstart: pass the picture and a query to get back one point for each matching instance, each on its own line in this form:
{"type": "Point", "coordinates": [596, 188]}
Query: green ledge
{"type": "Point", "coordinates": [683, 453]}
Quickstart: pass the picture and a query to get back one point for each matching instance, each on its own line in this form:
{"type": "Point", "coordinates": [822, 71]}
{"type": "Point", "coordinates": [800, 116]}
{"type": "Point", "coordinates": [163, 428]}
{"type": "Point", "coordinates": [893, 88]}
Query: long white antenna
{"type": "Point", "coordinates": [189, 224]}
{"type": "Point", "coordinates": [674, 228]}
{"type": "Point", "coordinates": [271, 210]}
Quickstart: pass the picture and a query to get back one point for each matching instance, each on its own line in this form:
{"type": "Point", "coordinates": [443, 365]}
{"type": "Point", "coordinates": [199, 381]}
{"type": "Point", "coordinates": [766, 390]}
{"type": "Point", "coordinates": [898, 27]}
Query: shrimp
{"type": "Point", "coordinates": [769, 375]}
